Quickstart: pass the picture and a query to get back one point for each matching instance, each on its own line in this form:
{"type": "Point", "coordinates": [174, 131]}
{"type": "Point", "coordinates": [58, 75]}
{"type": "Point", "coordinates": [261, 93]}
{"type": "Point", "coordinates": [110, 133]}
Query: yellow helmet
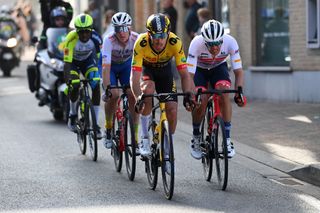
{"type": "Point", "coordinates": [83, 22]}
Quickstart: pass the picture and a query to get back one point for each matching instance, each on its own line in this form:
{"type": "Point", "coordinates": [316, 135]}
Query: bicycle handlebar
{"type": "Point", "coordinates": [122, 87]}
{"type": "Point", "coordinates": [163, 96]}
{"type": "Point", "coordinates": [77, 81]}
{"type": "Point", "coordinates": [218, 92]}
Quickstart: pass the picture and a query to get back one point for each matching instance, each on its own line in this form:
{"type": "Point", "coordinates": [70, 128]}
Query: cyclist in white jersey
{"type": "Point", "coordinates": [117, 53]}
{"type": "Point", "coordinates": [207, 64]}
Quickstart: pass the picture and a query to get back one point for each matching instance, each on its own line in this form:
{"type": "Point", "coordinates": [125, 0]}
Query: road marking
{"type": "Point", "coordinates": [14, 90]}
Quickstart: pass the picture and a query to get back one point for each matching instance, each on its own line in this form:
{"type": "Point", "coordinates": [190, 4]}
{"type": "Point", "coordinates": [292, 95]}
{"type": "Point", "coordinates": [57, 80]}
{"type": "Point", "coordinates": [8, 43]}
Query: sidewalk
{"type": "Point", "coordinates": [284, 136]}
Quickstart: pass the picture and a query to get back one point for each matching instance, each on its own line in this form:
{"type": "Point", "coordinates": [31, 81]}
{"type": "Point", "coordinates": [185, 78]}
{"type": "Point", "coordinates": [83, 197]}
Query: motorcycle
{"type": "Point", "coordinates": [10, 46]}
{"type": "Point", "coordinates": [46, 76]}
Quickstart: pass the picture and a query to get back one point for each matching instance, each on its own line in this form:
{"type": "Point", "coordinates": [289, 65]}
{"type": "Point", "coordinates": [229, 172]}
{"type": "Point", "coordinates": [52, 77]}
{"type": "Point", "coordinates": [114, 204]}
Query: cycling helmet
{"type": "Point", "coordinates": [158, 24]}
{"type": "Point", "coordinates": [212, 31]}
{"type": "Point", "coordinates": [58, 12]}
{"type": "Point", "coordinates": [83, 22]}
{"type": "Point", "coordinates": [121, 19]}
{"type": "Point", "coordinates": [5, 10]}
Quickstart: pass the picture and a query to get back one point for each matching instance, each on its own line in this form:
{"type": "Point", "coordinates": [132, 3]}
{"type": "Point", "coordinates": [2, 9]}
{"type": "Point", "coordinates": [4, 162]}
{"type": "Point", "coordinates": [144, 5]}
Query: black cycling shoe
{"type": "Point", "coordinates": [72, 123]}
{"type": "Point", "coordinates": [98, 132]}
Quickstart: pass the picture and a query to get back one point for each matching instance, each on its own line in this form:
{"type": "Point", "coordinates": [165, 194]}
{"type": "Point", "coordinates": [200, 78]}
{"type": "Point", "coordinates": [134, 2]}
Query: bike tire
{"type": "Point", "coordinates": [152, 163]}
{"type": "Point", "coordinates": [167, 173]}
{"type": "Point", "coordinates": [207, 157]}
{"type": "Point", "coordinates": [220, 152]}
{"type": "Point", "coordinates": [81, 136]}
{"type": "Point", "coordinates": [115, 152]}
{"type": "Point", "coordinates": [130, 146]}
{"type": "Point", "coordinates": [91, 131]}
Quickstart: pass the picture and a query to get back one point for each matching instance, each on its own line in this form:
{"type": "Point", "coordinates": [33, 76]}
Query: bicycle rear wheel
{"type": "Point", "coordinates": [92, 131]}
{"type": "Point", "coordinates": [220, 152]}
{"type": "Point", "coordinates": [81, 136]}
{"type": "Point", "coordinates": [130, 146]}
{"type": "Point", "coordinates": [167, 160]}
{"type": "Point", "coordinates": [206, 145]}
{"type": "Point", "coordinates": [115, 150]}
{"type": "Point", "coordinates": [152, 163]}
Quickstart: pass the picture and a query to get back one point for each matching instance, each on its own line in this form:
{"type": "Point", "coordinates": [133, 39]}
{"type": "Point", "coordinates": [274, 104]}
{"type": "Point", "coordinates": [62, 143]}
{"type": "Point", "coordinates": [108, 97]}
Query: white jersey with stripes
{"type": "Point", "coordinates": [113, 51]}
{"type": "Point", "coordinates": [199, 55]}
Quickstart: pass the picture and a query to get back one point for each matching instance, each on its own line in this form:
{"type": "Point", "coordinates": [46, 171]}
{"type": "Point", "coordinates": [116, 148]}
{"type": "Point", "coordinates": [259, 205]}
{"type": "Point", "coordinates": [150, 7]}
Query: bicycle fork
{"type": "Point", "coordinates": [120, 118]}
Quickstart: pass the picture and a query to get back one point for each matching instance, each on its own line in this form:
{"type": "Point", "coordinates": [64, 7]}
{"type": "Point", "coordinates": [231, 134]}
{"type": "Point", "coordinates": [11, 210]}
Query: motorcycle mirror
{"type": "Point", "coordinates": [34, 39]}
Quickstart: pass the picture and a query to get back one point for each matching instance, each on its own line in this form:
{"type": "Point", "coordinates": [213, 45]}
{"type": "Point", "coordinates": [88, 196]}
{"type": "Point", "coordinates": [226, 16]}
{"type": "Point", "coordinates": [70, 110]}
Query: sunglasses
{"type": "Point", "coordinates": [159, 35]}
{"type": "Point", "coordinates": [87, 30]}
{"type": "Point", "coordinates": [119, 29]}
{"type": "Point", "coordinates": [214, 43]}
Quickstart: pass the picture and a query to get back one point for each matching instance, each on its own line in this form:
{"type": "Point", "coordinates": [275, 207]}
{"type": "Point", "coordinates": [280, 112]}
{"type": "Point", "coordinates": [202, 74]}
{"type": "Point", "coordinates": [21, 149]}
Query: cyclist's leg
{"type": "Point", "coordinates": [147, 87]}
{"type": "Point", "coordinates": [222, 81]}
{"type": "Point", "coordinates": [93, 73]}
{"type": "Point", "coordinates": [201, 81]}
{"type": "Point", "coordinates": [124, 78]}
{"type": "Point", "coordinates": [110, 107]}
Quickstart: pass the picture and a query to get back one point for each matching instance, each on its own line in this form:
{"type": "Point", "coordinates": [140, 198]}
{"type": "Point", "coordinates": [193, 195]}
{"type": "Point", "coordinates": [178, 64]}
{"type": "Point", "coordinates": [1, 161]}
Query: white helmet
{"type": "Point", "coordinates": [5, 10]}
{"type": "Point", "coordinates": [212, 30]}
{"type": "Point", "coordinates": [121, 19]}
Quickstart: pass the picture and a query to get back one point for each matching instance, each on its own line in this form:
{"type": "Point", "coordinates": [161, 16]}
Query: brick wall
{"type": "Point", "coordinates": [302, 58]}
{"type": "Point", "coordinates": [241, 14]}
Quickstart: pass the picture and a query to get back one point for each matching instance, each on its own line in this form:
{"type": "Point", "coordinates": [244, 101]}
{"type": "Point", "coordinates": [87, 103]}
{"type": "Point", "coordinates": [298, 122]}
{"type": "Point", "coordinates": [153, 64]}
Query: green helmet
{"type": "Point", "coordinates": [83, 22]}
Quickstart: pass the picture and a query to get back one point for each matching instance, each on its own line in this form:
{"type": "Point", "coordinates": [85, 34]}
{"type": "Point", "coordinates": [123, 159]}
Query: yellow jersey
{"type": "Point", "coordinates": [144, 55]}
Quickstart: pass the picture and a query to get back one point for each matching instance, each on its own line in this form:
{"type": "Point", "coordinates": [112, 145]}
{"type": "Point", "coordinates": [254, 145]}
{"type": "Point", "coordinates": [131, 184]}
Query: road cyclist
{"type": "Point", "coordinates": [116, 54]}
{"type": "Point", "coordinates": [81, 54]}
{"type": "Point", "coordinates": [207, 64]}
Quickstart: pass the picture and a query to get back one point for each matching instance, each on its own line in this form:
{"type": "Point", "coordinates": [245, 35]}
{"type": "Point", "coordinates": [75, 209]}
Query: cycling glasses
{"type": "Point", "coordinates": [119, 29]}
{"type": "Point", "coordinates": [84, 30]}
{"type": "Point", "coordinates": [214, 43]}
{"type": "Point", "coordinates": [159, 35]}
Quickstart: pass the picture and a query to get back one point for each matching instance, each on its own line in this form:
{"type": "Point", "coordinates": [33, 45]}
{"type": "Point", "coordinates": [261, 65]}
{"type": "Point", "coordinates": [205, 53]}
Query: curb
{"type": "Point", "coordinates": [308, 173]}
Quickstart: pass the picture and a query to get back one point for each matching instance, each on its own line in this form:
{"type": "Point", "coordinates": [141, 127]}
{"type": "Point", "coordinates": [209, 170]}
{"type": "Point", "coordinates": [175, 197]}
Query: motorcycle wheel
{"type": "Point", "coordinates": [32, 77]}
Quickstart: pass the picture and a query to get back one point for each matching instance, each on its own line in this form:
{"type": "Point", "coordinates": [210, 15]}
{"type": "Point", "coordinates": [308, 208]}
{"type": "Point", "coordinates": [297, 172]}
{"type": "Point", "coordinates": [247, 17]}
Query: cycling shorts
{"type": "Point", "coordinates": [163, 79]}
{"type": "Point", "coordinates": [120, 72]}
{"type": "Point", "coordinates": [88, 68]}
{"type": "Point", "coordinates": [204, 76]}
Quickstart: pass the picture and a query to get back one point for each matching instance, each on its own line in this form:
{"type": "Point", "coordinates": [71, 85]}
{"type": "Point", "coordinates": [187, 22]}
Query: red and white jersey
{"type": "Point", "coordinates": [199, 55]}
{"type": "Point", "coordinates": [113, 51]}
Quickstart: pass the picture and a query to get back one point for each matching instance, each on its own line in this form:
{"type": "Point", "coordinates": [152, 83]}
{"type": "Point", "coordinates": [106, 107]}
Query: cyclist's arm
{"type": "Point", "coordinates": [136, 69]}
{"type": "Point", "coordinates": [235, 62]}
{"type": "Point", "coordinates": [106, 53]}
{"type": "Point", "coordinates": [186, 81]}
{"type": "Point", "coordinates": [66, 71]}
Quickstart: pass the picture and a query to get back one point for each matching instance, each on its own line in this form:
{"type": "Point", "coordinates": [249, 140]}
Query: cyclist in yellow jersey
{"type": "Point", "coordinates": [151, 71]}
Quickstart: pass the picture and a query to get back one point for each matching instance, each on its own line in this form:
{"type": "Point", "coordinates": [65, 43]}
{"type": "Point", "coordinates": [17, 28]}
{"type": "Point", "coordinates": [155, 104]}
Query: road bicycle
{"type": "Point", "coordinates": [162, 152]}
{"type": "Point", "coordinates": [123, 134]}
{"type": "Point", "coordinates": [213, 137]}
{"type": "Point", "coordinates": [86, 124]}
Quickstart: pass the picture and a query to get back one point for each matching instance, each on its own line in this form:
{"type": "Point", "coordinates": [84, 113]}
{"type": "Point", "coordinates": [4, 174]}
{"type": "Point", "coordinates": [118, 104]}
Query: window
{"type": "Point", "coordinates": [313, 23]}
{"type": "Point", "coordinates": [273, 33]}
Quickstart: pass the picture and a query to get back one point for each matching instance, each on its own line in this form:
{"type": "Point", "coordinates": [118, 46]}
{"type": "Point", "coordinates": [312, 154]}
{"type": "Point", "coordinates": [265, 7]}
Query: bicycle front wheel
{"type": "Point", "coordinates": [92, 131]}
{"type": "Point", "coordinates": [130, 146]}
{"type": "Point", "coordinates": [81, 135]}
{"type": "Point", "coordinates": [167, 160]}
{"type": "Point", "coordinates": [152, 162]}
{"type": "Point", "coordinates": [220, 152]}
{"type": "Point", "coordinates": [115, 150]}
{"type": "Point", "coordinates": [206, 145]}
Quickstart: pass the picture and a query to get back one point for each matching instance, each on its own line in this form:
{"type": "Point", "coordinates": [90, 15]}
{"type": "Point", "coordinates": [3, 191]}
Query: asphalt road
{"type": "Point", "coordinates": [42, 170]}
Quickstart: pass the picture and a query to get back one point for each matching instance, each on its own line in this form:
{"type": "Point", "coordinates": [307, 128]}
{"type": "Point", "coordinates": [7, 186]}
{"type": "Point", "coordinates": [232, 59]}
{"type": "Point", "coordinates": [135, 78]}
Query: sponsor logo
{"type": "Point", "coordinates": [191, 56]}
{"type": "Point", "coordinates": [184, 60]}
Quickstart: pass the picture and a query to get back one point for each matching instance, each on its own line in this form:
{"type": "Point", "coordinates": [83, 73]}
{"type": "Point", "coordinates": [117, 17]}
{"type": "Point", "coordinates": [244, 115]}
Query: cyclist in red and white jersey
{"type": "Point", "coordinates": [117, 51]}
{"type": "Point", "coordinates": [207, 64]}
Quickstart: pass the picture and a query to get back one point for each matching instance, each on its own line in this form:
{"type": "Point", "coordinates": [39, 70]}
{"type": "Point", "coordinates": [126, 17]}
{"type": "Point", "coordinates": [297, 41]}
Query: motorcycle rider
{"type": "Point", "coordinates": [46, 8]}
{"type": "Point", "coordinates": [58, 18]}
